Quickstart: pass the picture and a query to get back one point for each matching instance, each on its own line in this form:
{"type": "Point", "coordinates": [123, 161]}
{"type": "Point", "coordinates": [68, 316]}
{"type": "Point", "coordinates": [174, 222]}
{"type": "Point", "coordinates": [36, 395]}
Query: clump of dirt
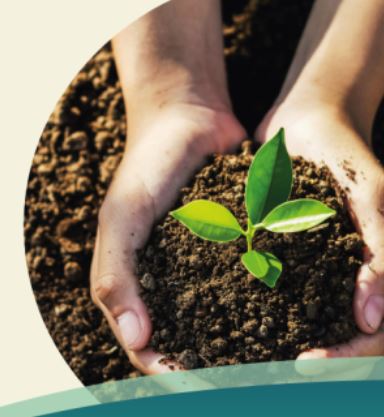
{"type": "Point", "coordinates": [349, 171]}
{"type": "Point", "coordinates": [208, 311]}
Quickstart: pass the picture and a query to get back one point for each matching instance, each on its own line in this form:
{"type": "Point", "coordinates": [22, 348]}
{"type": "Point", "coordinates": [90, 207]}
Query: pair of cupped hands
{"type": "Point", "coordinates": [165, 150]}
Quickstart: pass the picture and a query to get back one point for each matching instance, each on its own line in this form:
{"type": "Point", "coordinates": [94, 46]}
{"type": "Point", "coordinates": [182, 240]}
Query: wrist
{"type": "Point", "coordinates": [207, 130]}
{"type": "Point", "coordinates": [179, 86]}
{"type": "Point", "coordinates": [313, 97]}
{"type": "Point", "coordinates": [145, 102]}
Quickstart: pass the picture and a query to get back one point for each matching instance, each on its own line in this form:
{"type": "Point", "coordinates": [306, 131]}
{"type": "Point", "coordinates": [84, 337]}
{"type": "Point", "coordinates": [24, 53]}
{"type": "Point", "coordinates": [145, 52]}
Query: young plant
{"type": "Point", "coordinates": [267, 190]}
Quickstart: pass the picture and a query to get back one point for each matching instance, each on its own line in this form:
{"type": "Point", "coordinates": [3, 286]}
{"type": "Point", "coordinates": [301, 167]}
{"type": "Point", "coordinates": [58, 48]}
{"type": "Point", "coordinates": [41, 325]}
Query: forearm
{"type": "Point", "coordinates": [171, 55]}
{"type": "Point", "coordinates": [343, 48]}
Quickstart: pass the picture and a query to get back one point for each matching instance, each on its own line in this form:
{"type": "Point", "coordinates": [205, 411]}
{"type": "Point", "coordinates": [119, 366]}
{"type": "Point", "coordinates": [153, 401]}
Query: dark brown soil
{"type": "Point", "coordinates": [208, 311]}
{"type": "Point", "coordinates": [77, 155]}
{"type": "Point", "coordinates": [79, 151]}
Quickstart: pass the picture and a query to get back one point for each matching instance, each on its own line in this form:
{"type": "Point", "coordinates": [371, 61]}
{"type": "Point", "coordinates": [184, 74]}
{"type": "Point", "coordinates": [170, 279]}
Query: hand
{"type": "Point", "coordinates": [323, 134]}
{"type": "Point", "coordinates": [328, 104]}
{"type": "Point", "coordinates": [158, 161]}
{"type": "Point", "coordinates": [171, 68]}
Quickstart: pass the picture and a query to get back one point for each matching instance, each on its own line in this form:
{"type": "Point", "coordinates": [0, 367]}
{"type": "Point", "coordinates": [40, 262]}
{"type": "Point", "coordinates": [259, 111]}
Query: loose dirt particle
{"type": "Point", "coordinates": [76, 141]}
{"type": "Point", "coordinates": [148, 282]}
{"type": "Point", "coordinates": [188, 359]}
{"type": "Point", "coordinates": [350, 172]}
{"type": "Point", "coordinates": [73, 271]}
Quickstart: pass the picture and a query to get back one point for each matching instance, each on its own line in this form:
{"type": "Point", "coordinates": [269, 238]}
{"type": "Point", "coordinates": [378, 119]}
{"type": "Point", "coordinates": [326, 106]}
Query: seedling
{"type": "Point", "coordinates": [267, 190]}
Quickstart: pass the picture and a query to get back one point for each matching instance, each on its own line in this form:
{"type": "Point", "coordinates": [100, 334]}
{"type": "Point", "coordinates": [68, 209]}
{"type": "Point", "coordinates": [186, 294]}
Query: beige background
{"type": "Point", "coordinates": [43, 43]}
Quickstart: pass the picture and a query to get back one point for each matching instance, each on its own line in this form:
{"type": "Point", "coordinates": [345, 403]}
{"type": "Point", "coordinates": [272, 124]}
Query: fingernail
{"type": "Point", "coordinates": [374, 311]}
{"type": "Point", "coordinates": [309, 367]}
{"type": "Point", "coordinates": [130, 328]}
{"type": "Point", "coordinates": [306, 355]}
{"type": "Point", "coordinates": [312, 354]}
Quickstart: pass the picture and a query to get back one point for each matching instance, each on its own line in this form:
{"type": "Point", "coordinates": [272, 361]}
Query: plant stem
{"type": "Point", "coordinates": [249, 236]}
{"type": "Point", "coordinates": [251, 230]}
{"type": "Point", "coordinates": [249, 243]}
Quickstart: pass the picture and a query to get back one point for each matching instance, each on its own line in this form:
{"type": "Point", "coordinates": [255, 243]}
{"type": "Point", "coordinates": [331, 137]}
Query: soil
{"type": "Point", "coordinates": [79, 150]}
{"type": "Point", "coordinates": [208, 311]}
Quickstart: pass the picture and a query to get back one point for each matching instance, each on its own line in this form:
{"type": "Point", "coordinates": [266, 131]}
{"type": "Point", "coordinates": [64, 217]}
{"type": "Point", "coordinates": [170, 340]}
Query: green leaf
{"type": "Point", "coordinates": [263, 265]}
{"type": "Point", "coordinates": [269, 178]}
{"type": "Point", "coordinates": [297, 215]}
{"type": "Point", "coordinates": [209, 220]}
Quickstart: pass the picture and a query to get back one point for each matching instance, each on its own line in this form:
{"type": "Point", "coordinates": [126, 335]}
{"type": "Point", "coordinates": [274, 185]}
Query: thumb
{"type": "Point", "coordinates": [369, 295]}
{"type": "Point", "coordinates": [115, 289]}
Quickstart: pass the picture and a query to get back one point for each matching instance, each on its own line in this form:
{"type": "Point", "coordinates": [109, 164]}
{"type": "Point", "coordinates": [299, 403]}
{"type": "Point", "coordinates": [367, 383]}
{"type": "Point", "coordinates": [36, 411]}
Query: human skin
{"type": "Point", "coordinates": [171, 68]}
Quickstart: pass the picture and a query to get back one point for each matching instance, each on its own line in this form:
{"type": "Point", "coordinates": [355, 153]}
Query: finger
{"type": "Point", "coordinates": [362, 345]}
{"type": "Point", "coordinates": [369, 294]}
{"type": "Point", "coordinates": [146, 361]}
{"type": "Point", "coordinates": [115, 287]}
{"type": "Point", "coordinates": [152, 363]}
{"type": "Point", "coordinates": [335, 363]}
